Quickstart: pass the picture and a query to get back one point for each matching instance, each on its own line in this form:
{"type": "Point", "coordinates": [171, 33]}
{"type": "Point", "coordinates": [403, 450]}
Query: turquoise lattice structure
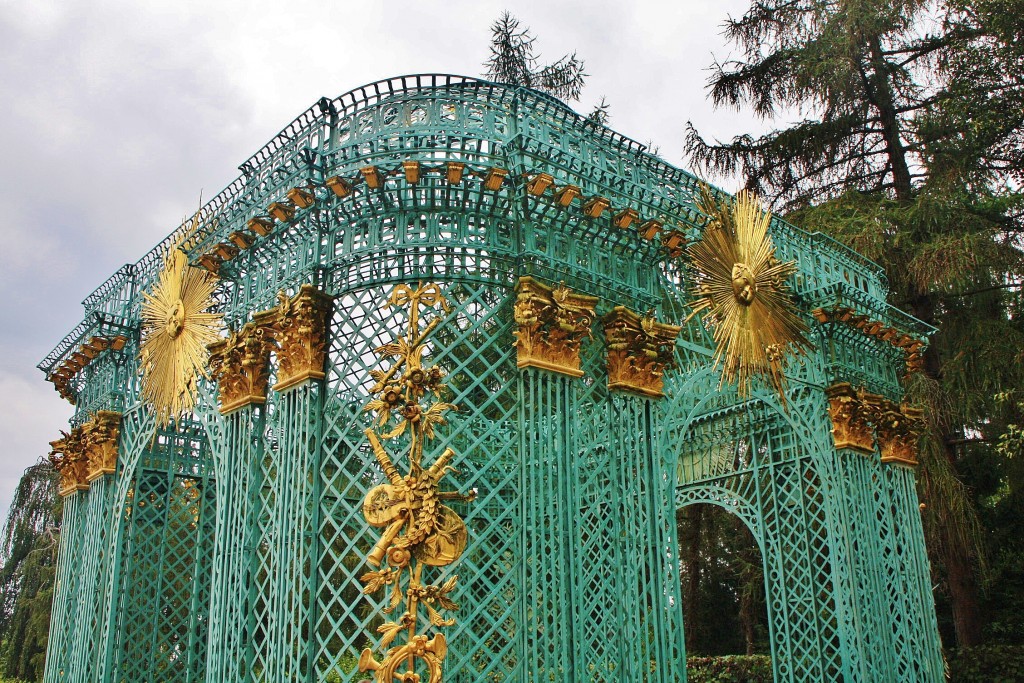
{"type": "Point", "coordinates": [229, 547]}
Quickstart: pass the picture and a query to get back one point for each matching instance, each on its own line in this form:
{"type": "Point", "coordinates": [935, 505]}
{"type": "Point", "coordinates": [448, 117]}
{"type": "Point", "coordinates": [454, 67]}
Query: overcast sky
{"type": "Point", "coordinates": [117, 115]}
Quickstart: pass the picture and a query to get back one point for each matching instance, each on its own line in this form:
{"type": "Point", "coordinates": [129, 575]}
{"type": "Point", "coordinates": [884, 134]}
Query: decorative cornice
{"type": "Point", "coordinates": [299, 327]}
{"type": "Point", "coordinates": [553, 322]}
{"type": "Point", "coordinates": [100, 437]}
{"type": "Point", "coordinates": [63, 375]}
{"type": "Point", "coordinates": [912, 346]}
{"type": "Point", "coordinates": [68, 457]}
{"type": "Point", "coordinates": [240, 365]}
{"type": "Point", "coordinates": [898, 429]}
{"type": "Point", "coordinates": [850, 412]}
{"type": "Point", "coordinates": [640, 349]}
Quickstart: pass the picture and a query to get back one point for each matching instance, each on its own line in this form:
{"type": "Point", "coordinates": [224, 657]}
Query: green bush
{"type": "Point", "coordinates": [988, 663]}
{"type": "Point", "coordinates": [729, 669]}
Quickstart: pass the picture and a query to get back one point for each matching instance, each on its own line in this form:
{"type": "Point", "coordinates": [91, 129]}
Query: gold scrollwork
{"type": "Point", "coordinates": [851, 412]}
{"type": "Point", "coordinates": [240, 365]}
{"type": "Point", "coordinates": [418, 530]}
{"type": "Point", "coordinates": [99, 438]}
{"type": "Point", "coordinates": [898, 429]}
{"type": "Point", "coordinates": [68, 457]}
{"type": "Point", "coordinates": [553, 322]}
{"type": "Point", "coordinates": [640, 349]}
{"type": "Point", "coordinates": [299, 327]}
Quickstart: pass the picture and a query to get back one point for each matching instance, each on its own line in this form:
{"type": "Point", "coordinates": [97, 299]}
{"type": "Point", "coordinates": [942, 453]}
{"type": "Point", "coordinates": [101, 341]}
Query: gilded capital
{"type": "Point", "coordinates": [850, 412]}
{"type": "Point", "coordinates": [240, 365]}
{"type": "Point", "coordinates": [68, 457]}
{"type": "Point", "coordinates": [99, 438]}
{"type": "Point", "coordinates": [299, 327]}
{"type": "Point", "coordinates": [899, 429]}
{"type": "Point", "coordinates": [553, 322]}
{"type": "Point", "coordinates": [640, 349]}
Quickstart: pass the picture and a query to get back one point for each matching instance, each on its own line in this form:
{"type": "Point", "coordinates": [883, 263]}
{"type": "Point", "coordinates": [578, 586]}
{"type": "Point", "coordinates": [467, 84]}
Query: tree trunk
{"type": "Point", "coordinates": [694, 527]}
{"type": "Point", "coordinates": [881, 95]}
{"type": "Point", "coordinates": [963, 594]}
{"type": "Point", "coordinates": [951, 553]}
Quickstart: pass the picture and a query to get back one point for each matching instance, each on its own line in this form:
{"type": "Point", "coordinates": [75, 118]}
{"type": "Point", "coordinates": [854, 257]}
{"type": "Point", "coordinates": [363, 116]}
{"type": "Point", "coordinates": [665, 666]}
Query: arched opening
{"type": "Point", "coordinates": [722, 583]}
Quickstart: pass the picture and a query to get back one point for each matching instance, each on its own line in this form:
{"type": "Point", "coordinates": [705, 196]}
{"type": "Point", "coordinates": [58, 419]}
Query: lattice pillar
{"type": "Point", "coordinates": [628, 551]}
{"type": "Point", "coordinates": [299, 328]}
{"type": "Point", "coordinates": [59, 647]}
{"type": "Point", "coordinates": [552, 326]}
{"type": "Point", "coordinates": [237, 454]}
{"type": "Point", "coordinates": [241, 367]}
{"type": "Point", "coordinates": [101, 437]}
{"type": "Point", "coordinates": [84, 457]}
{"type": "Point", "coordinates": [917, 647]}
{"type": "Point", "coordinates": [886, 634]}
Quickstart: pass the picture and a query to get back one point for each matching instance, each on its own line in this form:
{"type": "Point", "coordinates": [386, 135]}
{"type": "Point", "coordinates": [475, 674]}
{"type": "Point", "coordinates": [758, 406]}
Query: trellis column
{"type": "Point", "coordinates": [241, 367]}
{"type": "Point", "coordinates": [69, 459]}
{"type": "Point", "coordinates": [299, 328]}
{"type": "Point", "coordinates": [636, 556]}
{"type": "Point", "coordinates": [552, 326]}
{"type": "Point", "coordinates": [917, 647]}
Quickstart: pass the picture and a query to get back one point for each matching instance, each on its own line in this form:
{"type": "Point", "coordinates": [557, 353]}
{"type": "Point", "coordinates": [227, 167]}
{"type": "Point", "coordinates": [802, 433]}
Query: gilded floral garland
{"type": "Point", "coordinates": [419, 531]}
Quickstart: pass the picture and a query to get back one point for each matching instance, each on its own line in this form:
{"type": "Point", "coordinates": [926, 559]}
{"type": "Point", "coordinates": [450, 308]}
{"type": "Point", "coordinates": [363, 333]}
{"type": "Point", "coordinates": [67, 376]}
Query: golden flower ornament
{"type": "Point", "coordinates": [740, 289]}
{"type": "Point", "coordinates": [176, 329]}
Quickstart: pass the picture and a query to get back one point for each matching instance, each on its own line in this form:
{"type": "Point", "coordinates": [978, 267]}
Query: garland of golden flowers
{"type": "Point", "coordinates": [419, 531]}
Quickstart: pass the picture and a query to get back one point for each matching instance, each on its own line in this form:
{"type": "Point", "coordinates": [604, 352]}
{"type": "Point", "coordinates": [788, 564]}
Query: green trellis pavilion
{"type": "Point", "coordinates": [419, 395]}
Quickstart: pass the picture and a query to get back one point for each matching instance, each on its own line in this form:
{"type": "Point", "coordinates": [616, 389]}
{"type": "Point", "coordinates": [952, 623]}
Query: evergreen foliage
{"type": "Point", "coordinates": [722, 584]}
{"type": "Point", "coordinates": [909, 151]}
{"type": "Point", "coordinates": [29, 555]}
{"type": "Point", "coordinates": [514, 60]}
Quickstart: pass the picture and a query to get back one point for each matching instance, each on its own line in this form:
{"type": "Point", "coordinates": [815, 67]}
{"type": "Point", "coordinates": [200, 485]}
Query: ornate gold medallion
{"type": "Point", "coordinates": [740, 288]}
{"type": "Point", "coordinates": [176, 329]}
{"type": "Point", "coordinates": [418, 530]}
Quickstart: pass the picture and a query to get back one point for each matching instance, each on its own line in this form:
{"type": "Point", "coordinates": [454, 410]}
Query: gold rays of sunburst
{"type": "Point", "coordinates": [176, 329]}
{"type": "Point", "coordinates": [740, 288]}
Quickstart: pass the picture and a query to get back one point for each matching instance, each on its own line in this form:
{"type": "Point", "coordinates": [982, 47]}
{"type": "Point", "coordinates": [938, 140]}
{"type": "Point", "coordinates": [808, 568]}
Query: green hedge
{"type": "Point", "coordinates": [729, 669]}
{"type": "Point", "coordinates": [987, 664]}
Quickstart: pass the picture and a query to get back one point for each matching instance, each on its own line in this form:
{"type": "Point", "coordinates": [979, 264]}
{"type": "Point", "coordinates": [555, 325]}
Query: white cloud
{"type": "Point", "coordinates": [118, 113]}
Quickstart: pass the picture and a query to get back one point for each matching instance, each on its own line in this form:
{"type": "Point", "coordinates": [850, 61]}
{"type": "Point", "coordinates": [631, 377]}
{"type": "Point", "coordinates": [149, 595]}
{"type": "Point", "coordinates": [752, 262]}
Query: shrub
{"type": "Point", "coordinates": [988, 663]}
{"type": "Point", "coordinates": [729, 669]}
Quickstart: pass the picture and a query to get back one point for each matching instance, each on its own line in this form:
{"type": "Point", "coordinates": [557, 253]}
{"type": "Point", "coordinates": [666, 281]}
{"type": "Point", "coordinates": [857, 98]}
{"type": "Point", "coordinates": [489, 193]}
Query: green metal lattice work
{"type": "Point", "coordinates": [229, 548]}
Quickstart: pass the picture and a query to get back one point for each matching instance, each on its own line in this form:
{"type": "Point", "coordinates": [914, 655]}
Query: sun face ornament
{"type": "Point", "coordinates": [741, 293]}
{"type": "Point", "coordinates": [176, 329]}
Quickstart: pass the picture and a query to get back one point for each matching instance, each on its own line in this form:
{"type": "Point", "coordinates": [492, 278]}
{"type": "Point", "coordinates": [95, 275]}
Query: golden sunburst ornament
{"type": "Point", "coordinates": [176, 329]}
{"type": "Point", "coordinates": [740, 287]}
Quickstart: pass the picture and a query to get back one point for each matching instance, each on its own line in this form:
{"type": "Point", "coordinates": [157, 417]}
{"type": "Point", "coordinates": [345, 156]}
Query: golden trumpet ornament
{"type": "Point", "coordinates": [419, 532]}
{"type": "Point", "coordinates": [740, 289]}
{"type": "Point", "coordinates": [176, 329]}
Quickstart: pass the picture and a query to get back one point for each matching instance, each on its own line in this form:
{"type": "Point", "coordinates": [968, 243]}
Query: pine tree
{"type": "Point", "coordinates": [514, 61]}
{"type": "Point", "coordinates": [910, 151]}
{"type": "Point", "coordinates": [29, 555]}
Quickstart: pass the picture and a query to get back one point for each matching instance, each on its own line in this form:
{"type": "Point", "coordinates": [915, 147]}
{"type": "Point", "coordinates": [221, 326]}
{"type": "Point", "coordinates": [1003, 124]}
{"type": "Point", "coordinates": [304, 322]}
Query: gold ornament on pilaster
{"type": "Point", "coordinates": [640, 350]}
{"type": "Point", "coordinates": [99, 437]}
{"type": "Point", "coordinates": [553, 322]}
{"type": "Point", "coordinates": [898, 429]}
{"type": "Point", "coordinates": [240, 365]}
{"type": "Point", "coordinates": [177, 327]}
{"type": "Point", "coordinates": [851, 412]}
{"type": "Point", "coordinates": [740, 289]}
{"type": "Point", "coordinates": [68, 457]}
{"type": "Point", "coordinates": [419, 532]}
{"type": "Point", "coordinates": [299, 328]}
